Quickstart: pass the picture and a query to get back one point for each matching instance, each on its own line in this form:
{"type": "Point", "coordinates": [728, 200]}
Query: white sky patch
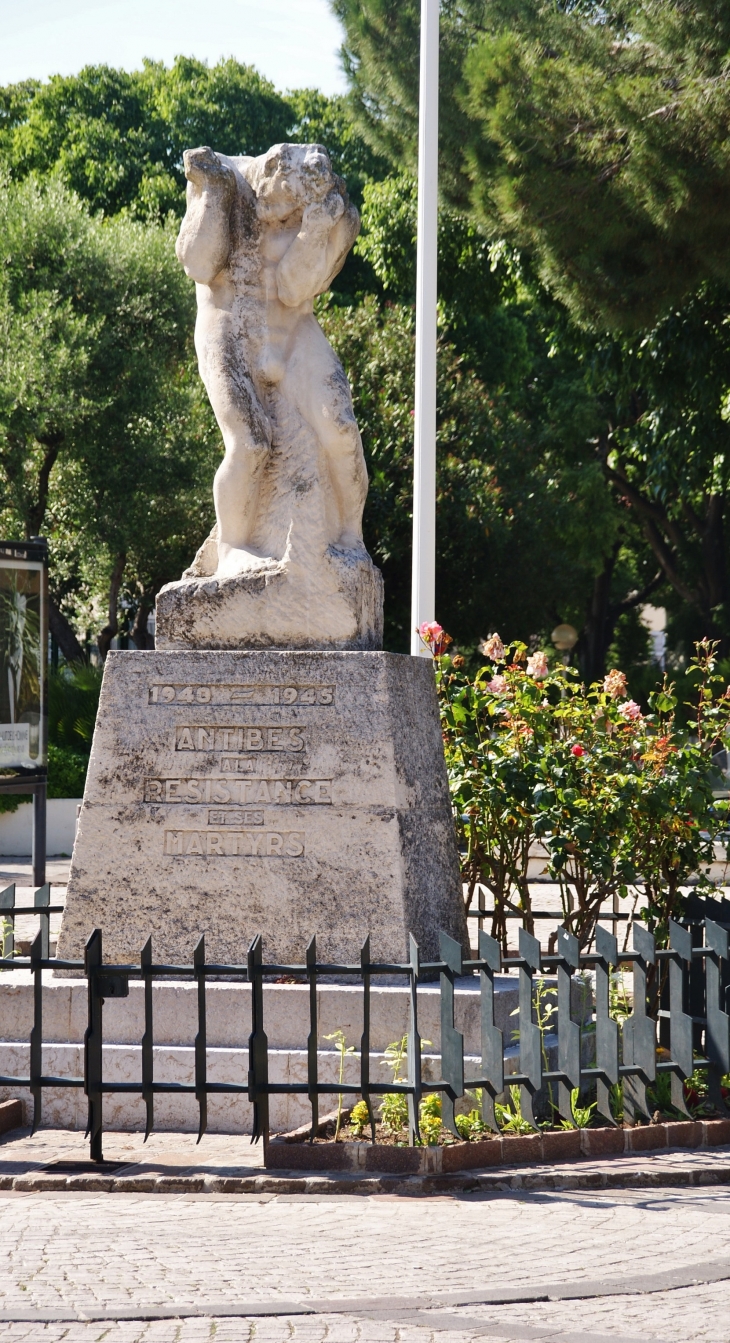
{"type": "Point", "coordinates": [293, 42]}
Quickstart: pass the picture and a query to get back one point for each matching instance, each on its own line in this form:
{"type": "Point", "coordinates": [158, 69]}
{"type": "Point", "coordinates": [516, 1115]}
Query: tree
{"type": "Point", "coordinates": [665, 449]}
{"type": "Point", "coordinates": [593, 139]}
{"type": "Point", "coordinates": [522, 524]}
{"type": "Point", "coordinates": [96, 320]}
{"type": "Point", "coordinates": [570, 552]}
{"type": "Point", "coordinates": [117, 138]}
{"type": "Point", "coordinates": [592, 134]}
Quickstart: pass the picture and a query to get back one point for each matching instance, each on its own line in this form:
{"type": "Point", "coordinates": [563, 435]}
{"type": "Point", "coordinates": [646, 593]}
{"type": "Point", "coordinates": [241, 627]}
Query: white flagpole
{"type": "Point", "coordinates": [423, 605]}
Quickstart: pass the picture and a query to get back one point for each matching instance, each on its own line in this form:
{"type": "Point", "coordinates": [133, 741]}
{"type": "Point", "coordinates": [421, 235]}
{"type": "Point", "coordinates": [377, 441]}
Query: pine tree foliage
{"type": "Point", "coordinates": [595, 135]}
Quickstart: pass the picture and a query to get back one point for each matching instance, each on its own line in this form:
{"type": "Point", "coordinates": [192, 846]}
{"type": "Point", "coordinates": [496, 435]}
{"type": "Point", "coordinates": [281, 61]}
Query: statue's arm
{"type": "Point", "coordinates": [317, 254]}
{"type": "Point", "coordinates": [204, 240]}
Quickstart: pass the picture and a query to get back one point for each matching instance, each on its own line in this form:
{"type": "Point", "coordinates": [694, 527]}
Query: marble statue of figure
{"type": "Point", "coordinates": [285, 564]}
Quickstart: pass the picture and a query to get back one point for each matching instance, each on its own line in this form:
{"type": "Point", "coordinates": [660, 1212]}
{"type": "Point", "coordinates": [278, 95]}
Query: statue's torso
{"type": "Point", "coordinates": [244, 296]}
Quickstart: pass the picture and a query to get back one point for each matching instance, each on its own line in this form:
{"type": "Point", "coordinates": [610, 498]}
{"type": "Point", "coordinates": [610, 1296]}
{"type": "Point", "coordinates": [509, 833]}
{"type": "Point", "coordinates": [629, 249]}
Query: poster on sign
{"type": "Point", "coordinates": [22, 662]}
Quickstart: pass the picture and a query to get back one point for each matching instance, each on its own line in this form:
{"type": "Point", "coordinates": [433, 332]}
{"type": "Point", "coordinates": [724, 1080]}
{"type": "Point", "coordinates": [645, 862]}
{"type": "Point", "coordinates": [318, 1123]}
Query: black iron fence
{"type": "Point", "coordinates": [627, 1052]}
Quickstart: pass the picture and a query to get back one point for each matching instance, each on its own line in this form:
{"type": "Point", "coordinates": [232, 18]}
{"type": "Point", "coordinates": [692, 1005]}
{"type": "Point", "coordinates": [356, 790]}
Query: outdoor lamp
{"type": "Point", "coordinates": [565, 637]}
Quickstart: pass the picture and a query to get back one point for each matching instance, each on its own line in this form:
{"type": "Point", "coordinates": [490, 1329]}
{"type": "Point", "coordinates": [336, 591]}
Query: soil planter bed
{"type": "Point", "coordinates": [292, 1152]}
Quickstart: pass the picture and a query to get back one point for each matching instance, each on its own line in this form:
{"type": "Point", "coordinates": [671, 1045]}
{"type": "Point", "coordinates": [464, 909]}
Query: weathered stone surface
{"type": "Point", "coordinates": [337, 603]}
{"type": "Point", "coordinates": [286, 793]}
{"type": "Point", "coordinates": [285, 565]}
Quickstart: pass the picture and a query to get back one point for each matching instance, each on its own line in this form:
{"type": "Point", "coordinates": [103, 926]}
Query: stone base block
{"type": "Point", "coordinates": [282, 605]}
{"type": "Point", "coordinates": [281, 793]}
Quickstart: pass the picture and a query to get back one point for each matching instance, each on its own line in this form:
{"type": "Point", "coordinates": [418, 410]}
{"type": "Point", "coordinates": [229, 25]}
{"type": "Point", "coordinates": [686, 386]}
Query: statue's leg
{"type": "Point", "coordinates": [247, 439]}
{"type": "Point", "coordinates": [315, 381]}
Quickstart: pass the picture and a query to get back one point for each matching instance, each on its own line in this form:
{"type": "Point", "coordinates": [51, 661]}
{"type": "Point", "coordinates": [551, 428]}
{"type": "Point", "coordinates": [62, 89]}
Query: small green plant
{"type": "Point", "coordinates": [430, 1107]}
{"type": "Point", "coordinates": [509, 1117]}
{"type": "Point", "coordinates": [696, 1094]}
{"type": "Point", "coordinates": [6, 929]}
{"type": "Point", "coordinates": [471, 1125]}
{"type": "Point", "coordinates": [582, 1114]}
{"type": "Point", "coordinates": [430, 1126]}
{"type": "Point", "coordinates": [619, 1006]}
{"type": "Point", "coordinates": [394, 1108]}
{"type": "Point", "coordinates": [343, 1050]}
{"type": "Point", "coordinates": [359, 1119]}
{"type": "Point", "coordinates": [429, 1119]}
{"type": "Point", "coordinates": [616, 1101]}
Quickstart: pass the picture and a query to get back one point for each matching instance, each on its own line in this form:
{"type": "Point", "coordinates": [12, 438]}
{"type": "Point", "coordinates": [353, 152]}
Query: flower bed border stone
{"type": "Point", "coordinates": [11, 1115]}
{"type": "Point", "coordinates": [530, 1149]}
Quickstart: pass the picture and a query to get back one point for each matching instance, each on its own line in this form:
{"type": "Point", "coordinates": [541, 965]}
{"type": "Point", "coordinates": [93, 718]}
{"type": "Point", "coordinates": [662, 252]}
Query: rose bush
{"type": "Point", "coordinates": [622, 800]}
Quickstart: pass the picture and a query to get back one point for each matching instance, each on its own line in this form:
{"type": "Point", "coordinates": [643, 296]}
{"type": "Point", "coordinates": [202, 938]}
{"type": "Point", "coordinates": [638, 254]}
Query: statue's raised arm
{"type": "Point", "coordinates": [204, 241]}
{"type": "Point", "coordinates": [318, 253]}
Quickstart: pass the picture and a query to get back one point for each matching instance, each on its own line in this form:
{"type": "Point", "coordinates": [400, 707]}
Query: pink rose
{"type": "Point", "coordinates": [537, 666]}
{"type": "Point", "coordinates": [630, 710]}
{"type": "Point", "coordinates": [435, 637]}
{"type": "Point", "coordinates": [497, 685]}
{"type": "Point", "coordinates": [615, 684]}
{"type": "Point", "coordinates": [492, 648]}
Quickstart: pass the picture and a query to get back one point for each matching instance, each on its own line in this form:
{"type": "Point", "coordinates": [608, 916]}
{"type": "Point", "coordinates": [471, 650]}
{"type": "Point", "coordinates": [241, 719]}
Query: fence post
{"type": "Point", "coordinates": [569, 1059]}
{"type": "Point", "coordinates": [639, 1031]}
{"type": "Point", "coordinates": [258, 1048]}
{"type": "Point", "coordinates": [365, 1037]}
{"type": "Point", "coordinates": [93, 1042]}
{"type": "Point", "coordinates": [312, 1061]}
{"type": "Point", "coordinates": [36, 1034]}
{"type": "Point", "coordinates": [414, 1044]}
{"type": "Point", "coordinates": [718, 1021]}
{"type": "Point", "coordinates": [492, 1043]}
{"type": "Point", "coordinates": [680, 1023]}
{"type": "Point", "coordinates": [452, 1041]}
{"type": "Point", "coordinates": [38, 837]}
{"type": "Point", "coordinates": [530, 1039]}
{"type": "Point", "coordinates": [148, 1057]}
{"type": "Point", "coordinates": [201, 1040]}
{"type": "Point", "coordinates": [41, 899]}
{"type": "Point", "coordinates": [606, 1027]}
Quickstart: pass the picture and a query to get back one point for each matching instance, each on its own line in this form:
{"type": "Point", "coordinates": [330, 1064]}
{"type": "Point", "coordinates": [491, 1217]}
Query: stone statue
{"type": "Point", "coordinates": [285, 565]}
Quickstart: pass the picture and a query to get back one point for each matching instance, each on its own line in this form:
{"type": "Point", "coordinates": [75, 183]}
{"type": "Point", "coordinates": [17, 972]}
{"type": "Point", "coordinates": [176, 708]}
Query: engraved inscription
{"type": "Point", "coordinates": [241, 694]}
{"type": "Point", "coordinates": [262, 738]}
{"type": "Point", "coordinates": [236, 764]}
{"type": "Point", "coordinates": [234, 843]}
{"type": "Point", "coordinates": [241, 792]}
{"type": "Point", "coordinates": [241, 818]}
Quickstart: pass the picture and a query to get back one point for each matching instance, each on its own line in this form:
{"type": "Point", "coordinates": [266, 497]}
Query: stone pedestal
{"type": "Point", "coordinates": [286, 793]}
{"type": "Point", "coordinates": [337, 603]}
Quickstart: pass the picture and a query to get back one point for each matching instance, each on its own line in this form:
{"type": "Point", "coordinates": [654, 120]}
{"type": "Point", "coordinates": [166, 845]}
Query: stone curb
{"type": "Point", "coordinates": [11, 1115]}
{"type": "Point", "coordinates": [612, 1177]}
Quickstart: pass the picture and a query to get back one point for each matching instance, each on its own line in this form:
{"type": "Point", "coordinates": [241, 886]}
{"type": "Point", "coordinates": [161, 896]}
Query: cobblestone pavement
{"type": "Point", "coordinates": [632, 1266]}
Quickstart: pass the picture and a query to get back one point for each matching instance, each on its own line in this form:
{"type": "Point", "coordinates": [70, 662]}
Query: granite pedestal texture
{"type": "Point", "coordinates": [273, 792]}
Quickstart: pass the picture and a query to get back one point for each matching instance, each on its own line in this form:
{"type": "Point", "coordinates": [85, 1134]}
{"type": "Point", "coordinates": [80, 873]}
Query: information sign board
{"type": "Point", "coordinates": [23, 657]}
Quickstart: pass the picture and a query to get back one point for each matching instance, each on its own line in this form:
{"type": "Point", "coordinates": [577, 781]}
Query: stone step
{"type": "Point", "coordinates": [286, 1011]}
{"type": "Point", "coordinates": [67, 1108]}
